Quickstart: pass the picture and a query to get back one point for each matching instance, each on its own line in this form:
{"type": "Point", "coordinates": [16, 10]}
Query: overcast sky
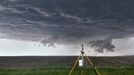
{"type": "Point", "coordinates": [59, 27]}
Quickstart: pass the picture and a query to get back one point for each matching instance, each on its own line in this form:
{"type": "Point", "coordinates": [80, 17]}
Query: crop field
{"type": "Point", "coordinates": [65, 71]}
{"type": "Point", "coordinates": [62, 66]}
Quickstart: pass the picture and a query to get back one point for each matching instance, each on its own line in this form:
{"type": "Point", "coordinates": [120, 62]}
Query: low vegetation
{"type": "Point", "coordinates": [65, 71]}
{"type": "Point", "coordinates": [60, 65]}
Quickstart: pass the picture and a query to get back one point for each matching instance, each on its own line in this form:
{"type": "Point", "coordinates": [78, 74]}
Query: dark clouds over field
{"type": "Point", "coordinates": [66, 21]}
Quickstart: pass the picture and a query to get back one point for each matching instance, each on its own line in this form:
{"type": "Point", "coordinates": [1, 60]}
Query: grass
{"type": "Point", "coordinates": [65, 71]}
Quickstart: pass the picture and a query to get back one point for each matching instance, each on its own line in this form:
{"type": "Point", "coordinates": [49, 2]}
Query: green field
{"type": "Point", "coordinates": [65, 71]}
{"type": "Point", "coordinates": [62, 65]}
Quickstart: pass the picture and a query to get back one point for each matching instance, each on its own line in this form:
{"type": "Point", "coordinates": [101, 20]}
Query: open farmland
{"type": "Point", "coordinates": [60, 65]}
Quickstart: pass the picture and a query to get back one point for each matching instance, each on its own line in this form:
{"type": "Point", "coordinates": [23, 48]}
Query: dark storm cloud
{"type": "Point", "coordinates": [65, 21]}
{"type": "Point", "coordinates": [101, 45]}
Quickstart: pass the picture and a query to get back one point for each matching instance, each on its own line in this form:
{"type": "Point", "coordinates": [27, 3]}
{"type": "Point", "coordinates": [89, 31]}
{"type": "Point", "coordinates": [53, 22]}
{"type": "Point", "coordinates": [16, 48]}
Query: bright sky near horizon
{"type": "Point", "coordinates": [9, 47]}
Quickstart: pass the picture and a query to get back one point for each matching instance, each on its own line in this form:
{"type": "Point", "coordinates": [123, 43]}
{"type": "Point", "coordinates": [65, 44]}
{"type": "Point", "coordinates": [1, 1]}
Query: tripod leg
{"type": "Point", "coordinates": [95, 69]}
{"type": "Point", "coordinates": [74, 65]}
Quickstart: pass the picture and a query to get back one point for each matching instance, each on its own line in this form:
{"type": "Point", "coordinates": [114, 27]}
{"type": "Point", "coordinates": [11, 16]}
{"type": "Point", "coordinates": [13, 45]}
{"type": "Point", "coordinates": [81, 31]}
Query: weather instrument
{"type": "Point", "coordinates": [81, 60]}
